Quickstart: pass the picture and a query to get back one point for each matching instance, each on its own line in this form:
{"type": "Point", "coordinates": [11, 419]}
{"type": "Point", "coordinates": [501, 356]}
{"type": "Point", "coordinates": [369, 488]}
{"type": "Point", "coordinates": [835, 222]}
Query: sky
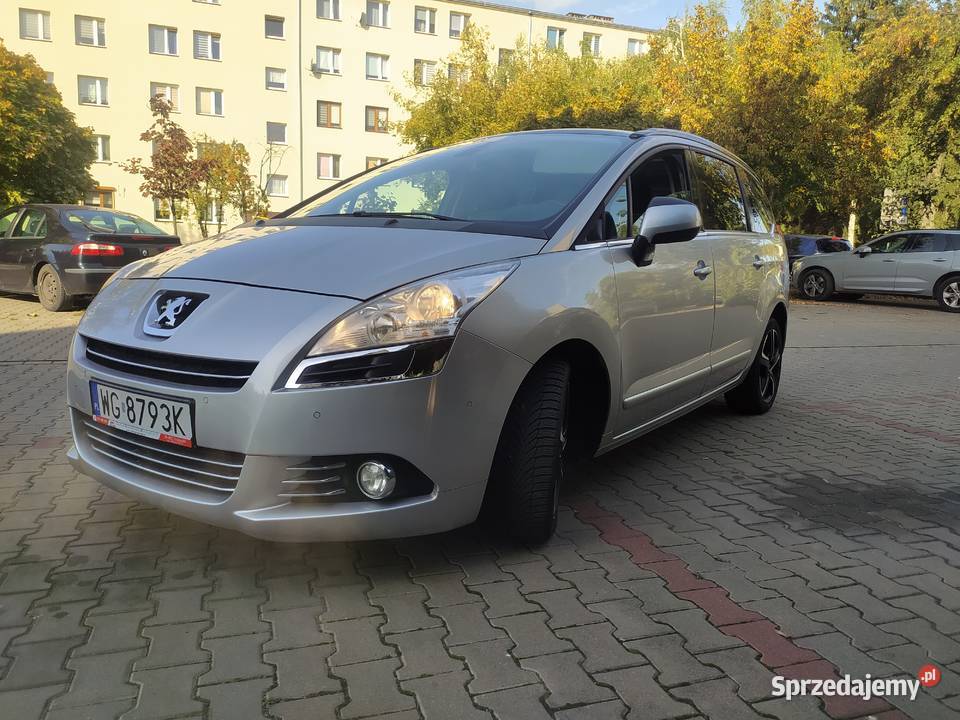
{"type": "Point", "coordinates": [645, 13]}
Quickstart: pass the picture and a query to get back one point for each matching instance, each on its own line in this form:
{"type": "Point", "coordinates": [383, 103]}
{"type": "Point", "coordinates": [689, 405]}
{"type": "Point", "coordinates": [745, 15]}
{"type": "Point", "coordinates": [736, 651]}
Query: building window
{"type": "Point", "coordinates": [423, 71]}
{"type": "Point", "coordinates": [171, 93]}
{"type": "Point", "coordinates": [209, 101]}
{"type": "Point", "coordinates": [377, 119]}
{"type": "Point", "coordinates": [161, 210]}
{"type": "Point", "coordinates": [49, 78]}
{"type": "Point", "coordinates": [505, 56]}
{"type": "Point", "coordinates": [100, 197]}
{"type": "Point", "coordinates": [328, 166]}
{"type": "Point", "coordinates": [373, 162]}
{"type": "Point", "coordinates": [378, 13]}
{"type": "Point", "coordinates": [93, 90]}
{"type": "Point", "coordinates": [277, 185]}
{"type": "Point", "coordinates": [458, 23]}
{"type": "Point", "coordinates": [328, 114]}
{"type": "Point", "coordinates": [276, 79]}
{"type": "Point", "coordinates": [273, 27]}
{"type": "Point", "coordinates": [102, 144]}
{"type": "Point", "coordinates": [591, 44]}
{"type": "Point", "coordinates": [206, 45]}
{"type": "Point", "coordinates": [34, 24]}
{"type": "Point", "coordinates": [90, 31]}
{"type": "Point", "coordinates": [635, 47]}
{"type": "Point", "coordinates": [328, 61]}
{"type": "Point", "coordinates": [456, 73]}
{"type": "Point", "coordinates": [328, 9]}
{"type": "Point", "coordinates": [277, 133]}
{"type": "Point", "coordinates": [213, 213]}
{"type": "Point", "coordinates": [163, 40]}
{"type": "Point", "coordinates": [425, 20]}
{"type": "Point", "coordinates": [555, 38]}
{"type": "Point", "coordinates": [378, 66]}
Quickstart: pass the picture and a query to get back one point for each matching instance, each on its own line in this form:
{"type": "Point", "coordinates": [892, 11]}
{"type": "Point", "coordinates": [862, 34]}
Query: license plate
{"type": "Point", "coordinates": [154, 416]}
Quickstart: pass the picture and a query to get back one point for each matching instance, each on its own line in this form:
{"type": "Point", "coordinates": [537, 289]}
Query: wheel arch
{"type": "Point", "coordinates": [780, 315]}
{"type": "Point", "coordinates": [943, 278]}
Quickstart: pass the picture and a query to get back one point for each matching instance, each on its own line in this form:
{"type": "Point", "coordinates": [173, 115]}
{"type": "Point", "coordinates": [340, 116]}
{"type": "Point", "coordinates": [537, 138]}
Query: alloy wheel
{"type": "Point", "coordinates": [951, 294]}
{"type": "Point", "coordinates": [771, 355]}
{"type": "Point", "coordinates": [814, 284]}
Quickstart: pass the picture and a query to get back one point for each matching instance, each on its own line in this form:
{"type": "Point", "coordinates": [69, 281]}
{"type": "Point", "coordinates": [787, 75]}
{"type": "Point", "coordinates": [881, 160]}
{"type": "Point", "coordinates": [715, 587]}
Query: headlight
{"type": "Point", "coordinates": [404, 334]}
{"type": "Point", "coordinates": [426, 310]}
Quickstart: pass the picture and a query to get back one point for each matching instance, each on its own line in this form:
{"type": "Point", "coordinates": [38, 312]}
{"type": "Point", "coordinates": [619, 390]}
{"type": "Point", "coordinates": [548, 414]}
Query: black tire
{"type": "Point", "coordinates": [947, 294]}
{"type": "Point", "coordinates": [53, 296]}
{"type": "Point", "coordinates": [758, 391]}
{"type": "Point", "coordinates": [816, 284]}
{"type": "Point", "coordinates": [527, 471]}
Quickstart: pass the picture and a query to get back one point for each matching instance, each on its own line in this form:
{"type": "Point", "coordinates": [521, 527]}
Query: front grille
{"type": "Point", "coordinates": [181, 369]}
{"type": "Point", "coordinates": [215, 471]}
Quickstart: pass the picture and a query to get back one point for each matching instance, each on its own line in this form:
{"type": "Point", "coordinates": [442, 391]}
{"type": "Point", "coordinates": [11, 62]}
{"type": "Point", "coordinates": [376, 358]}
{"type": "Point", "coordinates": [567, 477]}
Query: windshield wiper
{"type": "Point", "coordinates": [413, 214]}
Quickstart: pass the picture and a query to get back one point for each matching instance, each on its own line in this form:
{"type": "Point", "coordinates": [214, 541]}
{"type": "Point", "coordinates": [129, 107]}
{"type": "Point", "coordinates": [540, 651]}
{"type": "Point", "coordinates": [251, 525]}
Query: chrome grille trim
{"type": "Point", "coordinates": [157, 368]}
{"type": "Point", "coordinates": [213, 470]}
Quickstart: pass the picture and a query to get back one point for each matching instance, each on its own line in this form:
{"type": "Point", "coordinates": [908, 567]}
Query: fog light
{"type": "Point", "coordinates": [376, 480]}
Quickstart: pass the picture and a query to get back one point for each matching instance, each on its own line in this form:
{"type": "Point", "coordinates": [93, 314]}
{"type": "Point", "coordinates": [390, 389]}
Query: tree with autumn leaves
{"type": "Point", "coordinates": [210, 175]}
{"type": "Point", "coordinates": [829, 108]}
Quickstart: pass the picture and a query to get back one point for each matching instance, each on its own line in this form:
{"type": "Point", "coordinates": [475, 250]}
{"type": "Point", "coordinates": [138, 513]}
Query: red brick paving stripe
{"type": "Point", "coordinates": [892, 424]}
{"type": "Point", "coordinates": [836, 707]}
{"type": "Point", "coordinates": [678, 576]}
{"type": "Point", "coordinates": [776, 651]}
{"type": "Point", "coordinates": [718, 606]}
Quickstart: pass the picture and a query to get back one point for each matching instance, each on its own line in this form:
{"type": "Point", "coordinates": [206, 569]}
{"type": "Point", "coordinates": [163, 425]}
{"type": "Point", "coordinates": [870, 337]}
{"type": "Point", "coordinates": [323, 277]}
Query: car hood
{"type": "Point", "coordinates": [353, 262]}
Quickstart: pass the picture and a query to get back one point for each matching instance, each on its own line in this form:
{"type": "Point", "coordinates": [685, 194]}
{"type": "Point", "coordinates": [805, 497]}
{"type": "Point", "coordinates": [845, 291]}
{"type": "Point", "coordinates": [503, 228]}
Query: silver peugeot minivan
{"type": "Point", "coordinates": [434, 336]}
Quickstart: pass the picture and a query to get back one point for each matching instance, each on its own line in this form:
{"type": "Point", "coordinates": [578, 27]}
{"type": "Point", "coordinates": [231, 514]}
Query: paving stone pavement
{"type": "Point", "coordinates": [689, 567]}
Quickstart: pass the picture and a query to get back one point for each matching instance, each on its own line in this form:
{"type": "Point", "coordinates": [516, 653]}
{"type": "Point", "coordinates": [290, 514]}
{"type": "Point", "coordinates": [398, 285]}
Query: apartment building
{"type": "Point", "coordinates": [306, 85]}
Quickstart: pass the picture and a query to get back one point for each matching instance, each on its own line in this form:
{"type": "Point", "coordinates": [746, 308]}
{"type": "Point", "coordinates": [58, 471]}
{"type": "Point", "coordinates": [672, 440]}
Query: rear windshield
{"type": "Point", "coordinates": [523, 182]}
{"type": "Point", "coordinates": [111, 222]}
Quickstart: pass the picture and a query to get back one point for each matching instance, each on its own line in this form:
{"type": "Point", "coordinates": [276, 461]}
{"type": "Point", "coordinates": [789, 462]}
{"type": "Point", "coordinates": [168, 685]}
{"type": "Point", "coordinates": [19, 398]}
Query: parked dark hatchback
{"type": "Point", "coordinates": [799, 246]}
{"type": "Point", "coordinates": [59, 252]}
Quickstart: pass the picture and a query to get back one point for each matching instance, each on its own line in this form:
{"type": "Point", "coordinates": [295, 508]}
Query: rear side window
{"type": "Point", "coordinates": [721, 202]}
{"type": "Point", "coordinates": [761, 217]}
{"type": "Point", "coordinates": [33, 223]}
{"type": "Point", "coordinates": [929, 242]}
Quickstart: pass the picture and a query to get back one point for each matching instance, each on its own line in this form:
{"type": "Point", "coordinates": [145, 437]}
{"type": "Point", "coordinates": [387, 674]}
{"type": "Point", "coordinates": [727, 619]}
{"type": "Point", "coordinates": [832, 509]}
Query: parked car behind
{"type": "Point", "coordinates": [434, 335]}
{"type": "Point", "coordinates": [61, 252]}
{"type": "Point", "coordinates": [799, 246]}
{"type": "Point", "coordinates": [924, 263]}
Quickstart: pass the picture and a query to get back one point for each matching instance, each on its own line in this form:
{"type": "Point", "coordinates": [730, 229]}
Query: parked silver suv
{"type": "Point", "coordinates": [923, 263]}
{"type": "Point", "coordinates": [434, 335]}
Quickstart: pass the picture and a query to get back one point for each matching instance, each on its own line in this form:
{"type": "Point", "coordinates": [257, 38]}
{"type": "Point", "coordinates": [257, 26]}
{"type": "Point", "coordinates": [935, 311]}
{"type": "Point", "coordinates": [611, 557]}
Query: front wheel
{"type": "Point", "coordinates": [528, 466]}
{"type": "Point", "coordinates": [758, 391]}
{"type": "Point", "coordinates": [53, 296]}
{"type": "Point", "coordinates": [816, 284]}
{"type": "Point", "coordinates": [948, 294]}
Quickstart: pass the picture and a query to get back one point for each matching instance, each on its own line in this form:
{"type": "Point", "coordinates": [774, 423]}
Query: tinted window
{"type": "Point", "coordinates": [761, 217]}
{"type": "Point", "coordinates": [664, 175]}
{"type": "Point", "coordinates": [829, 245]}
{"type": "Point", "coordinates": [111, 222]}
{"type": "Point", "coordinates": [719, 190]}
{"type": "Point", "coordinates": [6, 220]}
{"type": "Point", "coordinates": [33, 223]}
{"type": "Point", "coordinates": [929, 242]}
{"type": "Point", "coordinates": [529, 179]}
{"type": "Point", "coordinates": [890, 244]}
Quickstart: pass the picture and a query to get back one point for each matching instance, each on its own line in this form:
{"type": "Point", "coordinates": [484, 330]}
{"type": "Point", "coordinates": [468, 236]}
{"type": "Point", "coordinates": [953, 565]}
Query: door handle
{"type": "Point", "coordinates": [757, 262]}
{"type": "Point", "coordinates": [889, 261]}
{"type": "Point", "coordinates": [702, 270]}
{"type": "Point", "coordinates": [939, 259]}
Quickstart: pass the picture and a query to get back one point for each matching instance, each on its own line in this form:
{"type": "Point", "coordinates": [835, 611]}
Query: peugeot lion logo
{"type": "Point", "coordinates": [168, 310]}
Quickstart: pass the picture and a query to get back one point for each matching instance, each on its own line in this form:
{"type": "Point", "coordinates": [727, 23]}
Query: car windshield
{"type": "Point", "coordinates": [112, 222]}
{"type": "Point", "coordinates": [527, 180]}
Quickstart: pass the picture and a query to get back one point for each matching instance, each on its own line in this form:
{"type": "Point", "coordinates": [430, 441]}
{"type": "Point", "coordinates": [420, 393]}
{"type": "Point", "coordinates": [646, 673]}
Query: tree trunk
{"type": "Point", "coordinates": [852, 224]}
{"type": "Point", "coordinates": [173, 214]}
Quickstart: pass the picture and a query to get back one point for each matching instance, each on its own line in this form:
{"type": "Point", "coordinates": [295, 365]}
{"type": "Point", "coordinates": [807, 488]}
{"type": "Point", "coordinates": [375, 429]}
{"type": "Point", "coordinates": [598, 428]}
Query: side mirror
{"type": "Point", "coordinates": [667, 220]}
{"type": "Point", "coordinates": [863, 250]}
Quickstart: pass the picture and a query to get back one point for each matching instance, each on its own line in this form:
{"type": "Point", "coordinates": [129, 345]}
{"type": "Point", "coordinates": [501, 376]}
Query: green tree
{"type": "Point", "coordinates": [173, 171]}
{"type": "Point", "coordinates": [851, 20]}
{"type": "Point", "coordinates": [44, 155]}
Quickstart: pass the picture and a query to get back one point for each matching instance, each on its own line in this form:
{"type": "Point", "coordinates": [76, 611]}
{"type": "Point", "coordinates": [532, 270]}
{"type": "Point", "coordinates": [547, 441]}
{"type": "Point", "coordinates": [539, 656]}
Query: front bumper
{"type": "Point", "coordinates": [446, 425]}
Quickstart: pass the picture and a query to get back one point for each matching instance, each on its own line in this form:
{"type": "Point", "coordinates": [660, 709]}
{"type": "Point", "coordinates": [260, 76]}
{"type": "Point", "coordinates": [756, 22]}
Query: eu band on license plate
{"type": "Point", "coordinates": [161, 418]}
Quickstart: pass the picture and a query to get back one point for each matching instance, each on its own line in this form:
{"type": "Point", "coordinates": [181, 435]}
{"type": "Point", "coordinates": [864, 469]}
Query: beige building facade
{"type": "Point", "coordinates": [306, 85]}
